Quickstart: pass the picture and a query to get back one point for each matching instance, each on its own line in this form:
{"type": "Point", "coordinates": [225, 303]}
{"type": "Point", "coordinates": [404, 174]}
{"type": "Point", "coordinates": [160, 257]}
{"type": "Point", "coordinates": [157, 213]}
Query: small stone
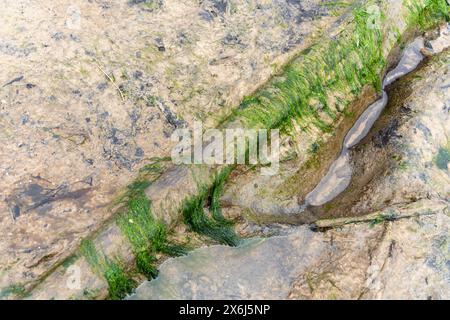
{"type": "Point", "coordinates": [139, 152]}
{"type": "Point", "coordinates": [160, 45]}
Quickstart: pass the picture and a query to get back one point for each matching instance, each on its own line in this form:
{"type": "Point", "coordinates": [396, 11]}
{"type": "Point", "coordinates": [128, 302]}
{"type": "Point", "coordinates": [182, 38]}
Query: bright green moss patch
{"type": "Point", "coordinates": [145, 264]}
{"type": "Point", "coordinates": [390, 215]}
{"type": "Point", "coordinates": [214, 225]}
{"type": "Point", "coordinates": [119, 284]}
{"type": "Point", "coordinates": [89, 252]}
{"type": "Point", "coordinates": [118, 281]}
{"type": "Point", "coordinates": [147, 174]}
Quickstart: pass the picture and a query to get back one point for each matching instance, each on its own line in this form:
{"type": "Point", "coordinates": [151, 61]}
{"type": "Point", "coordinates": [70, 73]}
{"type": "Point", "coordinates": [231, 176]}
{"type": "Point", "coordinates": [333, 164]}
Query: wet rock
{"type": "Point", "coordinates": [171, 118]}
{"type": "Point", "coordinates": [139, 152]}
{"type": "Point", "coordinates": [16, 212]}
{"type": "Point", "coordinates": [41, 193]}
{"type": "Point", "coordinates": [137, 74]}
{"type": "Point", "coordinates": [257, 269]}
{"type": "Point", "coordinates": [24, 119]}
{"type": "Point", "coordinates": [220, 5]}
{"type": "Point", "coordinates": [91, 113]}
{"type": "Point", "coordinates": [232, 39]}
{"type": "Point", "coordinates": [102, 86]}
{"type": "Point", "coordinates": [392, 265]}
{"type": "Point", "coordinates": [353, 261]}
{"type": "Point", "coordinates": [74, 37]}
{"type": "Point", "coordinates": [386, 134]}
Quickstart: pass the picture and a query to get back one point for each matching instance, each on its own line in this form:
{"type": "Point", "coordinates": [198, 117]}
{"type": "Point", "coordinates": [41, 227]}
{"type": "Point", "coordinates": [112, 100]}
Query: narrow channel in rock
{"type": "Point", "coordinates": [339, 175]}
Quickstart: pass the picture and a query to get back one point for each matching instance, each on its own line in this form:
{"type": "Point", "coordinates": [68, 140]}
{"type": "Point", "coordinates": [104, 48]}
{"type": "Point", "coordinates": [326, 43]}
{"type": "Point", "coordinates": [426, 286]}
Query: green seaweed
{"type": "Point", "coordinates": [216, 192]}
{"type": "Point", "coordinates": [214, 226]}
{"type": "Point", "coordinates": [89, 252]}
{"type": "Point", "coordinates": [301, 95]}
{"type": "Point", "coordinates": [145, 264]}
{"type": "Point", "coordinates": [119, 283]}
{"type": "Point", "coordinates": [146, 234]}
{"type": "Point", "coordinates": [147, 174]}
{"type": "Point", "coordinates": [69, 261]}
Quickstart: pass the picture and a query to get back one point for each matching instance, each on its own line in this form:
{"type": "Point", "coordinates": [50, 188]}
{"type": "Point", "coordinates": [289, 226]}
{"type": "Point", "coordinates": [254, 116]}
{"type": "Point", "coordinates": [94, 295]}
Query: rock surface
{"type": "Point", "coordinates": [84, 88]}
{"type": "Point", "coordinates": [405, 259]}
{"type": "Point", "coordinates": [257, 269]}
{"type": "Point", "coordinates": [91, 89]}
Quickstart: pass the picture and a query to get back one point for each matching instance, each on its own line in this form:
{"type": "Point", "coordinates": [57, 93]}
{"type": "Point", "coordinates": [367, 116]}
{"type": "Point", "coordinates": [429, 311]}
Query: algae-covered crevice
{"type": "Point", "coordinates": [312, 93]}
{"type": "Point", "coordinates": [147, 236]}
{"type": "Point", "coordinates": [284, 84]}
{"type": "Point", "coordinates": [299, 179]}
{"type": "Point", "coordinates": [383, 140]}
{"type": "Point", "coordinates": [308, 99]}
{"type": "Point", "coordinates": [339, 176]}
{"type": "Point", "coordinates": [145, 239]}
